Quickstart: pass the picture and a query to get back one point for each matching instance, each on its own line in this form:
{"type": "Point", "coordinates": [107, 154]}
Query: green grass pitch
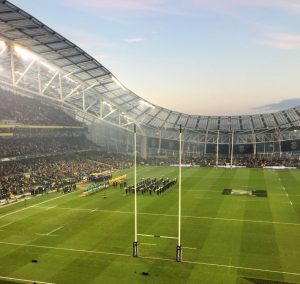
{"type": "Point", "coordinates": [226, 239]}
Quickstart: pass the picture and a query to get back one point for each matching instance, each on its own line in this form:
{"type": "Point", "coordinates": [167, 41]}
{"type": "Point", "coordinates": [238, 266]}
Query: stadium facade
{"type": "Point", "coordinates": [37, 61]}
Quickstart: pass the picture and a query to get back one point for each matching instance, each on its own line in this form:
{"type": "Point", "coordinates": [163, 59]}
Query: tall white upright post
{"type": "Point", "coordinates": [135, 243]}
{"type": "Point", "coordinates": [217, 153]}
{"type": "Point", "coordinates": [231, 158]}
{"type": "Point", "coordinates": [178, 248]}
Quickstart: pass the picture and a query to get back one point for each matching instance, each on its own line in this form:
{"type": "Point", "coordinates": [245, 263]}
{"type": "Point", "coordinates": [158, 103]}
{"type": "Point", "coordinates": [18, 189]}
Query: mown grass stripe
{"type": "Point", "coordinates": [152, 258]}
{"type": "Point", "coordinates": [183, 216]}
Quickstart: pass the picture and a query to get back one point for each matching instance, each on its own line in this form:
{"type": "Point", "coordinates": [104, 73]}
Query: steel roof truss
{"type": "Point", "coordinates": [49, 82]}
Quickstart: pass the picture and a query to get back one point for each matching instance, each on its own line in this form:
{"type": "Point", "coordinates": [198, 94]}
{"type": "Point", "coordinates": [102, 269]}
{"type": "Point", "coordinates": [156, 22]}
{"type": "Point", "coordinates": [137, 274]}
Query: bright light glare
{"type": "Point", "coordinates": [49, 67]}
{"type": "Point", "coordinates": [24, 53]}
{"type": "Point", "coordinates": [107, 104]}
{"type": "Point", "coordinates": [146, 104]}
{"type": "Point", "coordinates": [3, 46]}
{"type": "Point", "coordinates": [118, 82]}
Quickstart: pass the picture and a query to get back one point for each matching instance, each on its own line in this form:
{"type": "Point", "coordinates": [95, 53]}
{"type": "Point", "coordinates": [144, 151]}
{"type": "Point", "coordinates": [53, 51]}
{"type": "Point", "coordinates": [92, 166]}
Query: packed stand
{"type": "Point", "coordinates": [249, 162]}
{"type": "Point", "coordinates": [41, 175]}
{"type": "Point", "coordinates": [12, 147]}
{"type": "Point", "coordinates": [29, 111]}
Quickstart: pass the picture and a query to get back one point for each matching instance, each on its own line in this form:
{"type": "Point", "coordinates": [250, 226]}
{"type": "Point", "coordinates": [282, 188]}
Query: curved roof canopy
{"type": "Point", "coordinates": [80, 77]}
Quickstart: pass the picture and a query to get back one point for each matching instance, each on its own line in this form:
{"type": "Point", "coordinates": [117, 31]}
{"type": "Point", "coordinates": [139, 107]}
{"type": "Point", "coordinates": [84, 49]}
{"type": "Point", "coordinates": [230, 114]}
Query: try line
{"type": "Point", "coordinates": [152, 258]}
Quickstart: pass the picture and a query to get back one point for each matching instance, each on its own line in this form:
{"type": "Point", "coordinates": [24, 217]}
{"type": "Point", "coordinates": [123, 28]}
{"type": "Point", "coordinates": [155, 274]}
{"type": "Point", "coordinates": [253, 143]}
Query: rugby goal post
{"type": "Point", "coordinates": [135, 246]}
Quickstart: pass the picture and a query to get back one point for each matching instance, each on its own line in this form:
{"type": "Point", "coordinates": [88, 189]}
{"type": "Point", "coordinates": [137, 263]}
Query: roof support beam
{"type": "Point", "coordinates": [72, 92]}
{"type": "Point", "coordinates": [110, 113]}
{"type": "Point", "coordinates": [25, 72]}
{"type": "Point", "coordinates": [49, 82]}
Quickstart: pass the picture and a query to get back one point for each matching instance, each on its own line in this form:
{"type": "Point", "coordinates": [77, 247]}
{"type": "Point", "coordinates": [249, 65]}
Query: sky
{"type": "Point", "coordinates": [204, 57]}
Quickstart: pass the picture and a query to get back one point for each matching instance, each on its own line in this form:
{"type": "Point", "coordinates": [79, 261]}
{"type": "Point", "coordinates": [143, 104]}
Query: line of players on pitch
{"type": "Point", "coordinates": [152, 186]}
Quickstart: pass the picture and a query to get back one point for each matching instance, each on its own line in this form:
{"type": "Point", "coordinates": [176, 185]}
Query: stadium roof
{"type": "Point", "coordinates": [100, 85]}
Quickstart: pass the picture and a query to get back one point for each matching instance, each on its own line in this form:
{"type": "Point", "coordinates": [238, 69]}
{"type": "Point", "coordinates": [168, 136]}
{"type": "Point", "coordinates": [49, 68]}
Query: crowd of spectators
{"type": "Point", "coordinates": [18, 177]}
{"type": "Point", "coordinates": [58, 162]}
{"type": "Point", "coordinates": [63, 171]}
{"type": "Point", "coordinates": [254, 162]}
{"type": "Point", "coordinates": [29, 111]}
{"type": "Point", "coordinates": [246, 161]}
{"type": "Point", "coordinates": [13, 147]}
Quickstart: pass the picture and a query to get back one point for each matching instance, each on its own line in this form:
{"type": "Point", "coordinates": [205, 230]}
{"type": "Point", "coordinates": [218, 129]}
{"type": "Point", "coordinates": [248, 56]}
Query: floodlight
{"type": "Point", "coordinates": [107, 104]}
{"type": "Point", "coordinates": [2, 46]}
{"type": "Point", "coordinates": [49, 67]}
{"type": "Point", "coordinates": [24, 53]}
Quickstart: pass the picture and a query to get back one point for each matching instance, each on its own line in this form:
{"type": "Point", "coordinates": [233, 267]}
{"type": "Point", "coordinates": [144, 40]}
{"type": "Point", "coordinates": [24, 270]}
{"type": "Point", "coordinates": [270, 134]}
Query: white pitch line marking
{"type": "Point", "coordinates": [94, 210]}
{"type": "Point", "coordinates": [189, 248]}
{"type": "Point", "coordinates": [24, 280]}
{"type": "Point", "coordinates": [50, 233]}
{"type": "Point", "coordinates": [34, 205]}
{"type": "Point", "coordinates": [45, 235]}
{"type": "Point", "coordinates": [66, 249]}
{"type": "Point", "coordinates": [6, 224]}
{"type": "Point", "coordinates": [291, 203]}
{"type": "Point", "coordinates": [152, 258]}
{"type": "Point", "coordinates": [148, 244]}
{"type": "Point", "coordinates": [50, 208]}
{"type": "Point", "coordinates": [241, 267]}
{"type": "Point", "coordinates": [184, 216]}
{"type": "Point", "coordinates": [53, 231]}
